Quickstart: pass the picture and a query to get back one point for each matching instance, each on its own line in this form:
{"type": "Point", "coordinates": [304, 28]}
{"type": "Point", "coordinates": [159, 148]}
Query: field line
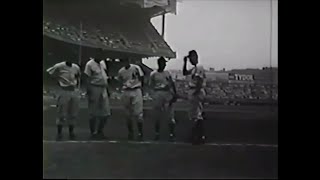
{"type": "Point", "coordinates": [160, 143]}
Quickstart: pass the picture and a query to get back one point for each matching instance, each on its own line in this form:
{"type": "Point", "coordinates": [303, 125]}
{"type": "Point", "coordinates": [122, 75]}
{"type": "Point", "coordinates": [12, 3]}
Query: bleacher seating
{"type": "Point", "coordinates": [133, 37]}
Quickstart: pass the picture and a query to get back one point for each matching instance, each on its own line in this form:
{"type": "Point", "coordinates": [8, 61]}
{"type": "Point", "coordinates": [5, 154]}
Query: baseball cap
{"type": "Point", "coordinates": [162, 59]}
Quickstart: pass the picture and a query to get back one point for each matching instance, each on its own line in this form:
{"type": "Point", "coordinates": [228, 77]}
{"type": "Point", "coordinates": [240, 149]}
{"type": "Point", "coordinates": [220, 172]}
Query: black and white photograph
{"type": "Point", "coordinates": [155, 89]}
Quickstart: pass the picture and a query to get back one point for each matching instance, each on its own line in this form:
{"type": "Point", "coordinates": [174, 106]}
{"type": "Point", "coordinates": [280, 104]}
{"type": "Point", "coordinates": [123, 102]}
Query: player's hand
{"type": "Point", "coordinates": [185, 59]}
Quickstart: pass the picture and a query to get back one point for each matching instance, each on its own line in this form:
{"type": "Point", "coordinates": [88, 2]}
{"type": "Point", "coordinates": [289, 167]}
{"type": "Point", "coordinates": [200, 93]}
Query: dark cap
{"type": "Point", "coordinates": [162, 59]}
{"type": "Point", "coordinates": [194, 52]}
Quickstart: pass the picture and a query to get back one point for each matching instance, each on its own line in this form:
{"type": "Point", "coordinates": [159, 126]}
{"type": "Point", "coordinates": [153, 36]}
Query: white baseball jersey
{"type": "Point", "coordinates": [130, 76]}
{"type": "Point", "coordinates": [197, 73]}
{"type": "Point", "coordinates": [160, 80]}
{"type": "Point", "coordinates": [96, 73]}
{"type": "Point", "coordinates": [66, 74]}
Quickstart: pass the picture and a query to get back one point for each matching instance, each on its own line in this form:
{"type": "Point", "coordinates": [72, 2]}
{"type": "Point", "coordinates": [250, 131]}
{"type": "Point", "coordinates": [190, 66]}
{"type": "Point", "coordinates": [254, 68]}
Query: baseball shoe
{"type": "Point", "coordinates": [93, 137]}
{"type": "Point", "coordinates": [202, 140]}
{"type": "Point", "coordinates": [59, 137]}
{"type": "Point", "coordinates": [195, 140]}
{"type": "Point", "coordinates": [199, 140]}
{"type": "Point", "coordinates": [72, 136]}
{"type": "Point", "coordinates": [140, 137]}
{"type": "Point", "coordinates": [157, 137]}
{"type": "Point", "coordinates": [172, 138]}
{"type": "Point", "coordinates": [130, 136]}
{"type": "Point", "coordinates": [101, 136]}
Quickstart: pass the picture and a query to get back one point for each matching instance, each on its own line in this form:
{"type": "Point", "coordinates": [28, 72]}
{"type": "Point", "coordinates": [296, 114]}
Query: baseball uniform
{"type": "Point", "coordinates": [196, 101]}
{"type": "Point", "coordinates": [98, 100]}
{"type": "Point", "coordinates": [132, 95]}
{"type": "Point", "coordinates": [68, 99]}
{"type": "Point", "coordinates": [163, 92]}
{"type": "Point", "coordinates": [160, 82]}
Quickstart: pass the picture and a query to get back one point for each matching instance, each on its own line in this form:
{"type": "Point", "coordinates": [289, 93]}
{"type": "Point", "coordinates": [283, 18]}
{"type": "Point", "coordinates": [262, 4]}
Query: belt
{"type": "Point", "coordinates": [68, 88]}
{"type": "Point", "coordinates": [130, 89]}
{"type": "Point", "coordinates": [196, 87]}
{"type": "Point", "coordinates": [165, 89]}
{"type": "Point", "coordinates": [98, 85]}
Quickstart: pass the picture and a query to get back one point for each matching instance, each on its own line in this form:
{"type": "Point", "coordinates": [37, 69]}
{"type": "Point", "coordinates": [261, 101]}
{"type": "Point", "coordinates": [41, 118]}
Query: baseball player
{"type": "Point", "coordinates": [131, 78]}
{"type": "Point", "coordinates": [67, 74]}
{"type": "Point", "coordinates": [98, 97]}
{"type": "Point", "coordinates": [196, 94]}
{"type": "Point", "coordinates": [164, 95]}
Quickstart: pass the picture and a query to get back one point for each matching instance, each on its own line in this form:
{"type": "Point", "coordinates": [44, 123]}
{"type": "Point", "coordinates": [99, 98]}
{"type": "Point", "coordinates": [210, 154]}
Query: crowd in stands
{"type": "Point", "coordinates": [218, 90]}
{"type": "Point", "coordinates": [215, 91]}
{"type": "Point", "coordinates": [115, 94]}
{"type": "Point", "coordinates": [143, 38]}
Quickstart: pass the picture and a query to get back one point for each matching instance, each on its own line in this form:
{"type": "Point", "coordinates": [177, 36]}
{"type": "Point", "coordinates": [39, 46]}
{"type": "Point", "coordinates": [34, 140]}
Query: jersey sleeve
{"type": "Point", "coordinates": [169, 77]}
{"type": "Point", "coordinates": [87, 69]}
{"type": "Point", "coordinates": [151, 80]}
{"type": "Point", "coordinates": [78, 69]}
{"type": "Point", "coordinates": [119, 75]}
{"type": "Point", "coordinates": [53, 70]}
{"type": "Point", "coordinates": [141, 73]}
{"type": "Point", "coordinates": [104, 65]}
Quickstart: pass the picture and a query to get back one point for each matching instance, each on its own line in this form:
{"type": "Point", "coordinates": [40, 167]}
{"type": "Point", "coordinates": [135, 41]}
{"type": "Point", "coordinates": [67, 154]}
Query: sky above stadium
{"type": "Point", "coordinates": [226, 33]}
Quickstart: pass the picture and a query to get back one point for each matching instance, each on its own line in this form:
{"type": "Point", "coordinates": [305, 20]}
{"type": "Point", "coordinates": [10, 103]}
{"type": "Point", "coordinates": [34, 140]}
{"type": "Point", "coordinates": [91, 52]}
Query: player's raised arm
{"type": "Point", "coordinates": [185, 72]}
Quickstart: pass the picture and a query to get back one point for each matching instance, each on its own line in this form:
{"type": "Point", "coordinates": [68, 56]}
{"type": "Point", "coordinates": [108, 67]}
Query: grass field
{"type": "Point", "coordinates": [228, 128]}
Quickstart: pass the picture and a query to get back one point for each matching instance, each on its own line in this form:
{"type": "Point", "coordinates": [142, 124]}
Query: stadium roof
{"type": "Point", "coordinates": [108, 24]}
{"type": "Point", "coordinates": [155, 7]}
{"type": "Point", "coordinates": [143, 53]}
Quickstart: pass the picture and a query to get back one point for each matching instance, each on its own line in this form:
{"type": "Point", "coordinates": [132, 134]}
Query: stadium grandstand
{"type": "Point", "coordinates": [116, 29]}
{"type": "Point", "coordinates": [111, 30]}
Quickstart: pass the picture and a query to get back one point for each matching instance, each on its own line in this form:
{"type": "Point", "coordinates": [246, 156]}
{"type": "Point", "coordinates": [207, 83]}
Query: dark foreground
{"type": "Point", "coordinates": [238, 126]}
{"type": "Point", "coordinates": [105, 160]}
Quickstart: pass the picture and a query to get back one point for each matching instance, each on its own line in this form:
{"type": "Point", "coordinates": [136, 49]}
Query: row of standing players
{"type": "Point", "coordinates": [131, 77]}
